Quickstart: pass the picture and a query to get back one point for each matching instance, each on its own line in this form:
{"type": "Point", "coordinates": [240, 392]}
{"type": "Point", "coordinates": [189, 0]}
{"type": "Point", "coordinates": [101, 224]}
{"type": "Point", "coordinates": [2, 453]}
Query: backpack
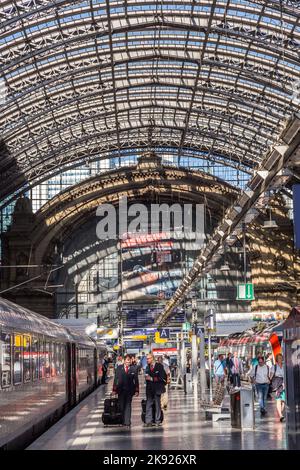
{"type": "Point", "coordinates": [268, 372]}
{"type": "Point", "coordinates": [276, 382]}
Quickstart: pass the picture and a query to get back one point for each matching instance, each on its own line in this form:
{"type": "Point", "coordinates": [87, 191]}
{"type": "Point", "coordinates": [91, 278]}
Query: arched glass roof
{"type": "Point", "coordinates": [91, 79]}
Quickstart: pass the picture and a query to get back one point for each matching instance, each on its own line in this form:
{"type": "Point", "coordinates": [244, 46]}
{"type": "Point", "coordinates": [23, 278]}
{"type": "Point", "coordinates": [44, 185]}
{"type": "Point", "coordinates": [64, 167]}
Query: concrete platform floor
{"type": "Point", "coordinates": [185, 428]}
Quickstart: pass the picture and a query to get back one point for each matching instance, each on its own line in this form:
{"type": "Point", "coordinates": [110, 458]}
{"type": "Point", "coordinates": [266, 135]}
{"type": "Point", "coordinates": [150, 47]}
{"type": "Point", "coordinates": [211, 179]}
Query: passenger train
{"type": "Point", "coordinates": [259, 340]}
{"type": "Point", "coordinates": [45, 370]}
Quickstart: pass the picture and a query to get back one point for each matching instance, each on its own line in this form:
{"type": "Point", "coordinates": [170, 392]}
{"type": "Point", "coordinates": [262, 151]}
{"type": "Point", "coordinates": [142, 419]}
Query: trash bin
{"type": "Point", "coordinates": [247, 408]}
{"type": "Point", "coordinates": [235, 409]}
{"type": "Point", "coordinates": [242, 408]}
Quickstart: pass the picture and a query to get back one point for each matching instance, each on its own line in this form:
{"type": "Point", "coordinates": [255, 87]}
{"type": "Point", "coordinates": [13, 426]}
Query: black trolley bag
{"type": "Point", "coordinates": [143, 415]}
{"type": "Point", "coordinates": [112, 413]}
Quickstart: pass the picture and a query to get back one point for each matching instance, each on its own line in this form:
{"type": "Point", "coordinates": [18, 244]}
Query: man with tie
{"type": "Point", "coordinates": [236, 369]}
{"type": "Point", "coordinates": [126, 385]}
{"type": "Point", "coordinates": [156, 379]}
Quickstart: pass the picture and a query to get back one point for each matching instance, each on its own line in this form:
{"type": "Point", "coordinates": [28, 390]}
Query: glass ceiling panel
{"type": "Point", "coordinates": [94, 77]}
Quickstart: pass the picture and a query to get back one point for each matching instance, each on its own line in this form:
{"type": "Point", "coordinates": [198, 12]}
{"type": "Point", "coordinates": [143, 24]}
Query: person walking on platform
{"type": "Point", "coordinates": [260, 375]}
{"type": "Point", "coordinates": [228, 367]}
{"type": "Point", "coordinates": [277, 385]}
{"type": "Point", "coordinates": [104, 370]}
{"type": "Point", "coordinates": [269, 363]}
{"type": "Point", "coordinates": [156, 379]}
{"type": "Point", "coordinates": [236, 369]}
{"type": "Point", "coordinates": [134, 362]}
{"type": "Point", "coordinates": [126, 385]}
{"type": "Point", "coordinates": [143, 361]}
{"type": "Point", "coordinates": [219, 370]}
{"type": "Point", "coordinates": [119, 361]}
{"type": "Point", "coordinates": [164, 396]}
{"type": "Point", "coordinates": [207, 372]}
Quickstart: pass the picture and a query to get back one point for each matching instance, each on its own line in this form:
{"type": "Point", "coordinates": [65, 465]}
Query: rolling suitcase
{"type": "Point", "coordinates": [143, 415]}
{"type": "Point", "coordinates": [112, 414]}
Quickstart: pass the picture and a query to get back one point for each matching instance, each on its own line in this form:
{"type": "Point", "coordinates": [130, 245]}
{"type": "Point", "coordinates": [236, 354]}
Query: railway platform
{"type": "Point", "coordinates": [185, 427]}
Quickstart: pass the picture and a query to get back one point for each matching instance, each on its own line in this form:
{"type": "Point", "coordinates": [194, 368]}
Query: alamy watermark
{"type": "Point", "coordinates": [177, 221]}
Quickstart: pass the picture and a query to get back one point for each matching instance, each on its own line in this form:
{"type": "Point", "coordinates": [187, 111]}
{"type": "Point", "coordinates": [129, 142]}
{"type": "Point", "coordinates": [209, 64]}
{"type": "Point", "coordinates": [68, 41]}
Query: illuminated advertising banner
{"type": "Point", "coordinates": [296, 201]}
{"type": "Point", "coordinates": [151, 268]}
{"type": "Point", "coordinates": [254, 316]}
{"type": "Point", "coordinates": [168, 351]}
{"type": "Point", "coordinates": [147, 239]}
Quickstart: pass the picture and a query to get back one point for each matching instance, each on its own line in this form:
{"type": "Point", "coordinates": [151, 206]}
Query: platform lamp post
{"type": "Point", "coordinates": [244, 251]}
{"type": "Point", "coordinates": [76, 284]}
{"type": "Point", "coordinates": [120, 303]}
{"type": "Point", "coordinates": [194, 346]}
{"type": "Point", "coordinates": [209, 320]}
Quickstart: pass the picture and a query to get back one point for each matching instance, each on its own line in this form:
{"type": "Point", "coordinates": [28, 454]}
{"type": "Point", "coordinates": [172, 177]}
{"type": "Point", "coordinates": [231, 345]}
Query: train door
{"type": "Point", "coordinates": [96, 367]}
{"type": "Point", "coordinates": [71, 373]}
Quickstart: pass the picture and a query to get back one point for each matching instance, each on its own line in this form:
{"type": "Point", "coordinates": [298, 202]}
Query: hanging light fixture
{"type": "Point", "coordinates": [225, 267]}
{"type": "Point", "coordinates": [270, 223]}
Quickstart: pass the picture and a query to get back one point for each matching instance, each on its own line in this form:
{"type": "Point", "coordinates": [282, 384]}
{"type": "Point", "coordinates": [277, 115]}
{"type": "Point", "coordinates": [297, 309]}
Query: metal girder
{"type": "Point", "coordinates": [231, 54]}
{"type": "Point", "coordinates": [223, 134]}
{"type": "Point", "coordinates": [34, 112]}
{"type": "Point", "coordinates": [202, 130]}
{"type": "Point", "coordinates": [80, 200]}
{"type": "Point", "coordinates": [276, 78]}
{"type": "Point", "coordinates": [93, 144]}
{"type": "Point", "coordinates": [274, 161]}
{"type": "Point", "coordinates": [40, 46]}
{"type": "Point", "coordinates": [203, 118]}
{"type": "Point", "coordinates": [287, 6]}
{"type": "Point", "coordinates": [15, 11]}
{"type": "Point", "coordinates": [57, 167]}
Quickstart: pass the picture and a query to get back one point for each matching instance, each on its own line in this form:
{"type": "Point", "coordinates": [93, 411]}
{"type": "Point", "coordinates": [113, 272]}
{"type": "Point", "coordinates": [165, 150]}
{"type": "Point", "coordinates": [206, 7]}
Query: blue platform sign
{"type": "Point", "coordinates": [134, 344]}
{"type": "Point", "coordinates": [296, 201]}
{"type": "Point", "coordinates": [199, 330]}
{"type": "Point", "coordinates": [164, 333]}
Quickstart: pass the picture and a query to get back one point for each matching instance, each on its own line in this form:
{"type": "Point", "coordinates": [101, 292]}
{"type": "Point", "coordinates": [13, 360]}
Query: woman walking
{"type": "Point", "coordinates": [277, 378]}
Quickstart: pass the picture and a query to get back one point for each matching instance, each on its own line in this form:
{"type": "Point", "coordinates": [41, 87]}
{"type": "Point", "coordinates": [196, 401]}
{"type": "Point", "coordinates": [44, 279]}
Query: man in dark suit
{"type": "Point", "coordinates": [126, 385]}
{"type": "Point", "coordinates": [156, 378]}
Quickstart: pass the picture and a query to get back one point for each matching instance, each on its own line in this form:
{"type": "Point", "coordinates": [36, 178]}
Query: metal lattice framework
{"type": "Point", "coordinates": [88, 79]}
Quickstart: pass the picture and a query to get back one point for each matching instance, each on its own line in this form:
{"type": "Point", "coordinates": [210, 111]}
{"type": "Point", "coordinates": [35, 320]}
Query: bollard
{"type": "Point", "coordinates": [235, 409]}
{"type": "Point", "coordinates": [247, 408]}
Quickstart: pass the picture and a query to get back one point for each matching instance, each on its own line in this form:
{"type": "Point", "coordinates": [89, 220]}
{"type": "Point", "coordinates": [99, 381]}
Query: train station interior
{"type": "Point", "coordinates": [150, 225]}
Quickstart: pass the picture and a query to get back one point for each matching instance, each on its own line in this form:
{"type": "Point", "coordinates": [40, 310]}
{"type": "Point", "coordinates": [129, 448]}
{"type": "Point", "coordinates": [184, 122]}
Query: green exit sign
{"type": "Point", "coordinates": [186, 326]}
{"type": "Point", "coordinates": [245, 292]}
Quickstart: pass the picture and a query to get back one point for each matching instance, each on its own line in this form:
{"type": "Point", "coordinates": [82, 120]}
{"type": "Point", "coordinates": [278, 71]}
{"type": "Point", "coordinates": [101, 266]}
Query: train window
{"type": "Point", "coordinates": [42, 359]}
{"type": "Point", "coordinates": [17, 358]}
{"type": "Point", "coordinates": [52, 359]}
{"type": "Point", "coordinates": [77, 358]}
{"type": "Point", "coordinates": [26, 358]}
{"type": "Point", "coordinates": [55, 360]}
{"type": "Point", "coordinates": [63, 358]}
{"type": "Point", "coordinates": [58, 360]}
{"type": "Point", "coordinates": [47, 359]}
{"type": "Point", "coordinates": [5, 359]}
{"type": "Point", "coordinates": [34, 358]}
